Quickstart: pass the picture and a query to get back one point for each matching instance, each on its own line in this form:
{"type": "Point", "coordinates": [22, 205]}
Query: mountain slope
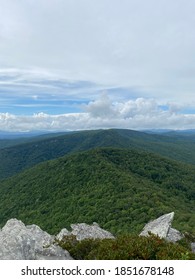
{"type": "Point", "coordinates": [19, 157]}
{"type": "Point", "coordinates": [118, 188]}
{"type": "Point", "coordinates": [178, 147]}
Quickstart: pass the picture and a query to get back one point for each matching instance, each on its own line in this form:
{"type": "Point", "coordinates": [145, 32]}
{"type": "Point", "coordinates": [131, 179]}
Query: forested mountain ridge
{"type": "Point", "coordinates": [18, 157]}
{"type": "Point", "coordinates": [121, 189]}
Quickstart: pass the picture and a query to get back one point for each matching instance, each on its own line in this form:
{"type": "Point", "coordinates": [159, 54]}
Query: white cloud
{"type": "Point", "coordinates": [102, 107]}
{"type": "Point", "coordinates": [102, 113]}
{"type": "Point", "coordinates": [140, 106]}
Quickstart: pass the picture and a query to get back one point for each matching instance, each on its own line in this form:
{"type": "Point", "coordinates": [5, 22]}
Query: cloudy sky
{"type": "Point", "coordinates": [87, 64]}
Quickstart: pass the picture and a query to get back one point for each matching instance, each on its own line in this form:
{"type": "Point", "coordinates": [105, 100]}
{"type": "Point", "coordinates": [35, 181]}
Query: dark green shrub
{"type": "Point", "coordinates": [126, 247]}
{"type": "Point", "coordinates": [187, 240]}
{"type": "Point", "coordinates": [139, 248]}
{"type": "Point", "coordinates": [78, 249]}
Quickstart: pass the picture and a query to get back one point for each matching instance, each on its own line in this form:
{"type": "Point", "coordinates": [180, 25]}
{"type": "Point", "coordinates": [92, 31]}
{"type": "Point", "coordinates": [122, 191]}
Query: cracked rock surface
{"type": "Point", "coordinates": [20, 242]}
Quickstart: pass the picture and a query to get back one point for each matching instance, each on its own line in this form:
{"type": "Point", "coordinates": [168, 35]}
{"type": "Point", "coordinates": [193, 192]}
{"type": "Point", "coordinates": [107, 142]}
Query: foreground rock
{"type": "Point", "coordinates": [20, 242]}
{"type": "Point", "coordinates": [84, 231]}
{"type": "Point", "coordinates": [162, 228]}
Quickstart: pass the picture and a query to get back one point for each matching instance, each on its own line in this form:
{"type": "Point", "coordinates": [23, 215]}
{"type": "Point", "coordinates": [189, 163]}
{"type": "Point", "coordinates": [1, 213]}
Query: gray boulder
{"type": "Point", "coordinates": [174, 235]}
{"type": "Point", "coordinates": [84, 231]}
{"type": "Point", "coordinates": [15, 242]}
{"type": "Point", "coordinates": [162, 228]}
{"type": "Point", "coordinates": [159, 226]}
{"type": "Point", "coordinates": [53, 252]}
{"type": "Point", "coordinates": [20, 242]}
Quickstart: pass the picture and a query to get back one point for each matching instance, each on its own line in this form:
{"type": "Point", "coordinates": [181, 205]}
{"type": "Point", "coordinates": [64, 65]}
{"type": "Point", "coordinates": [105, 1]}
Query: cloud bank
{"type": "Point", "coordinates": [135, 114]}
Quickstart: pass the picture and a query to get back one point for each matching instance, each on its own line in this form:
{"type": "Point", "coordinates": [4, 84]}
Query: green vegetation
{"type": "Point", "coordinates": [120, 179]}
{"type": "Point", "coordinates": [18, 157]}
{"type": "Point", "coordinates": [125, 247]}
{"type": "Point", "coordinates": [121, 189]}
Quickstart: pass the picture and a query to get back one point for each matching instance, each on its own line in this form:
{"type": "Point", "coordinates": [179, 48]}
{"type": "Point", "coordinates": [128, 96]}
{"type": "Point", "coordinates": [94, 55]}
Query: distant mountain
{"type": "Point", "coordinates": [121, 189]}
{"type": "Point", "coordinates": [171, 131]}
{"type": "Point", "coordinates": [188, 132]}
{"type": "Point", "coordinates": [16, 135]}
{"type": "Point", "coordinates": [9, 139]}
{"type": "Point", "coordinates": [34, 150]}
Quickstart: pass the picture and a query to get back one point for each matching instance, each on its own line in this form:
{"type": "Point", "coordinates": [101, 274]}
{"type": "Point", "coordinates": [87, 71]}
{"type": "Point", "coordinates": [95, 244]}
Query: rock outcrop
{"type": "Point", "coordinates": [84, 231]}
{"type": "Point", "coordinates": [174, 235]}
{"type": "Point", "coordinates": [20, 242]}
{"type": "Point", "coordinates": [162, 228]}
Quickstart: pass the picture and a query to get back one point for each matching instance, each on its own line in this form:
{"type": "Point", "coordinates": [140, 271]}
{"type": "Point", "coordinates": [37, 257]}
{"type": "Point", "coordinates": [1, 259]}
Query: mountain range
{"type": "Point", "coordinates": [118, 178]}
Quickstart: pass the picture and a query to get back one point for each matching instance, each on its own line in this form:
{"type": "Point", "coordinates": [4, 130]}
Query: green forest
{"type": "Point", "coordinates": [121, 189]}
{"type": "Point", "coordinates": [119, 178]}
{"type": "Point", "coordinates": [20, 154]}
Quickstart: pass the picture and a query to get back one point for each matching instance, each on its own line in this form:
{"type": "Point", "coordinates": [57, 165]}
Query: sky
{"type": "Point", "coordinates": [90, 64]}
